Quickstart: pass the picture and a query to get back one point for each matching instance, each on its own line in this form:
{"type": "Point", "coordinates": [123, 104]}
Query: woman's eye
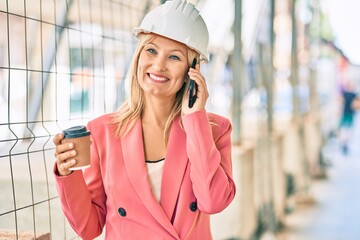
{"type": "Point", "coordinates": [152, 51]}
{"type": "Point", "coordinates": [174, 57]}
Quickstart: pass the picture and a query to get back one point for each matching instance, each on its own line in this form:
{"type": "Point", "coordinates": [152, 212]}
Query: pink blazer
{"type": "Point", "coordinates": [115, 191]}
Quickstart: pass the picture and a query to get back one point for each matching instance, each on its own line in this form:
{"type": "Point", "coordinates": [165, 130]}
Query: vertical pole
{"type": "Point", "coordinates": [272, 221]}
{"type": "Point", "coordinates": [294, 62]}
{"type": "Point", "coordinates": [271, 68]}
{"type": "Point", "coordinates": [237, 70]}
{"type": "Point", "coordinates": [298, 116]}
{"type": "Point", "coordinates": [314, 51]}
{"type": "Point", "coordinates": [314, 99]}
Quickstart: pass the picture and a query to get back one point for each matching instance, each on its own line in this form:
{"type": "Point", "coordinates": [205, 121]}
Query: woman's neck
{"type": "Point", "coordinates": [156, 111]}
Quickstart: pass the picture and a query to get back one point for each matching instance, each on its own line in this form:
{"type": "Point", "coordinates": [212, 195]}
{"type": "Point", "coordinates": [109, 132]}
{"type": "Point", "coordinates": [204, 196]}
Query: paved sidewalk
{"type": "Point", "coordinates": [336, 213]}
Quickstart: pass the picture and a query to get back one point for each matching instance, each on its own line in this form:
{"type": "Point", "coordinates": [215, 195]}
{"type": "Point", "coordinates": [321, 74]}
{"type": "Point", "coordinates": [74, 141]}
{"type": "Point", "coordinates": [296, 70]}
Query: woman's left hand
{"type": "Point", "coordinates": [201, 95]}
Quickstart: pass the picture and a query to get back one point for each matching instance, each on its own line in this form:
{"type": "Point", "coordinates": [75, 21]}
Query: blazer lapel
{"type": "Point", "coordinates": [134, 160]}
{"type": "Point", "coordinates": [176, 161]}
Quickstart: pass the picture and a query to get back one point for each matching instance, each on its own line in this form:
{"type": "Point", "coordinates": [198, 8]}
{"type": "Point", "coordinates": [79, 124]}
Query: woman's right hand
{"type": "Point", "coordinates": [64, 154]}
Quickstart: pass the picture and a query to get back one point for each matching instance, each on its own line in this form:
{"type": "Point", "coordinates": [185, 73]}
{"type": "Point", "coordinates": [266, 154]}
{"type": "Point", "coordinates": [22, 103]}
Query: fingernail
{"type": "Point", "coordinates": [70, 145]}
{"type": "Point", "coordinates": [73, 153]}
{"type": "Point", "coordinates": [73, 161]}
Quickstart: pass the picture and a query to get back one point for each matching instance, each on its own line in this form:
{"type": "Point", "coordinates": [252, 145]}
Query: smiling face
{"type": "Point", "coordinates": [162, 67]}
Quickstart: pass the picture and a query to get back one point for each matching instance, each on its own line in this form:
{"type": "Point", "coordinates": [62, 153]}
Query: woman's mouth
{"type": "Point", "coordinates": [157, 78]}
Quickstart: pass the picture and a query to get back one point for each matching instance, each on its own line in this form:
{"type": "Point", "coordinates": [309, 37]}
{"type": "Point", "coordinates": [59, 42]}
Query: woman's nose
{"type": "Point", "coordinates": [159, 64]}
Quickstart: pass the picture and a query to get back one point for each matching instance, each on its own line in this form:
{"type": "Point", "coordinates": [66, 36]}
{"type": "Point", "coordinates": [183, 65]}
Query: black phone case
{"type": "Point", "coordinates": [192, 88]}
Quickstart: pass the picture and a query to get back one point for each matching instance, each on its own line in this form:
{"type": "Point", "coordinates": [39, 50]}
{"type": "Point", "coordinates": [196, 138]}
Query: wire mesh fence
{"type": "Point", "coordinates": [62, 62]}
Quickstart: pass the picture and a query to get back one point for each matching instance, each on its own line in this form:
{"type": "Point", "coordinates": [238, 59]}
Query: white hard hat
{"type": "Point", "coordinates": [180, 21]}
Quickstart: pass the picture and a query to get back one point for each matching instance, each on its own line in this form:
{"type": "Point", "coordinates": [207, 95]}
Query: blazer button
{"type": "Point", "coordinates": [122, 212]}
{"type": "Point", "coordinates": [193, 206]}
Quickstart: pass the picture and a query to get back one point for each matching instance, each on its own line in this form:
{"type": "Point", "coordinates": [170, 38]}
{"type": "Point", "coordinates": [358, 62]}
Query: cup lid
{"type": "Point", "coordinates": [76, 131]}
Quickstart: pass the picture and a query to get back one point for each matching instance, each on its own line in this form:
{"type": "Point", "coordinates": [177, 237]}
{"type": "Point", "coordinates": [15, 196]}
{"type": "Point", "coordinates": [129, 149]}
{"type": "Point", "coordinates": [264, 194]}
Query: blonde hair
{"type": "Point", "coordinates": [130, 111]}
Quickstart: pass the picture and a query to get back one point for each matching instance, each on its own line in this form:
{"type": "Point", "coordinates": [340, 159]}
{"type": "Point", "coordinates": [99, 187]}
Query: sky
{"type": "Point", "coordinates": [344, 18]}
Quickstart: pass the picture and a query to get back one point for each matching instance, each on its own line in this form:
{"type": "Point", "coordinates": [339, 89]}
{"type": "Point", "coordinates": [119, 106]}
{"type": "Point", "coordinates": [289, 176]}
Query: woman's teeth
{"type": "Point", "coordinates": [156, 78]}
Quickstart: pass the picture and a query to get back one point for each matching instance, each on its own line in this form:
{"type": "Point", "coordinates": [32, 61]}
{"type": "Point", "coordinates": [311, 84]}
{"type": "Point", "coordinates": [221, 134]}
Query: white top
{"type": "Point", "coordinates": [155, 170]}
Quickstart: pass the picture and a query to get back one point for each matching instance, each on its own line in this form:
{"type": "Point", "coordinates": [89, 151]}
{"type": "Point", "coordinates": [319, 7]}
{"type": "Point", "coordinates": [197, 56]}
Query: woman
{"type": "Point", "coordinates": [350, 104]}
{"type": "Point", "coordinates": [158, 167]}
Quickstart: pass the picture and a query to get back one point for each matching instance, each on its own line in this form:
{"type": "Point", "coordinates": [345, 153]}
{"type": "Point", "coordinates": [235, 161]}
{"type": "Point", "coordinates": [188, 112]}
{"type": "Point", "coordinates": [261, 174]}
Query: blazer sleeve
{"type": "Point", "coordinates": [208, 146]}
{"type": "Point", "coordinates": [84, 202]}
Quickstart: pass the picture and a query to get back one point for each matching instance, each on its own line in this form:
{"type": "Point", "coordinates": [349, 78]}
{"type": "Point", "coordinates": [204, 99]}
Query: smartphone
{"type": "Point", "coordinates": [192, 88]}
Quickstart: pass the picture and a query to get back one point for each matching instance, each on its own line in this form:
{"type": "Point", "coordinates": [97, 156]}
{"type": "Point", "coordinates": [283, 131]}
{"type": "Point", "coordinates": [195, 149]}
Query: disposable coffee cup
{"type": "Point", "coordinates": [80, 137]}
